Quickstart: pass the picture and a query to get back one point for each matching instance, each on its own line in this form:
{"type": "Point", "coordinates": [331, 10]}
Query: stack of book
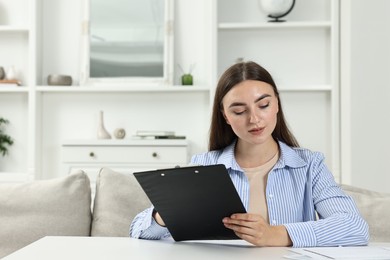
{"type": "Point", "coordinates": [10, 82]}
{"type": "Point", "coordinates": [145, 134]}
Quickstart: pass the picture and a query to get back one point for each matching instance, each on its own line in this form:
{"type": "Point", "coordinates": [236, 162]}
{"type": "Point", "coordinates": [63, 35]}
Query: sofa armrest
{"type": "Point", "coordinates": [375, 209]}
{"type": "Point", "coordinates": [32, 210]}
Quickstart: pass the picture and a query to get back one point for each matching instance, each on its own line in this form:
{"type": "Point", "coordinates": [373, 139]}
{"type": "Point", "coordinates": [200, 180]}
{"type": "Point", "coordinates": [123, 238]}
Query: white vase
{"type": "Point", "coordinates": [102, 133]}
{"type": "Point", "coordinates": [11, 73]}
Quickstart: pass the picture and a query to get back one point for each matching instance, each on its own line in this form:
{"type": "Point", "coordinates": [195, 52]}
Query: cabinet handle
{"type": "Point", "coordinates": [154, 154]}
{"type": "Point", "coordinates": [91, 154]}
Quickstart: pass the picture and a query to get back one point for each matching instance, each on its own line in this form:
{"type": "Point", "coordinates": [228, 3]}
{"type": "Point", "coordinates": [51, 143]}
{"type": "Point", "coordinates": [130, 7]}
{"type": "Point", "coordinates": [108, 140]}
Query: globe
{"type": "Point", "coordinates": [277, 8]}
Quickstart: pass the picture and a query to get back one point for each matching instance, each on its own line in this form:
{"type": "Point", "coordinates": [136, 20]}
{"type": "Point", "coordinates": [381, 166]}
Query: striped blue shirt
{"type": "Point", "coordinates": [299, 187]}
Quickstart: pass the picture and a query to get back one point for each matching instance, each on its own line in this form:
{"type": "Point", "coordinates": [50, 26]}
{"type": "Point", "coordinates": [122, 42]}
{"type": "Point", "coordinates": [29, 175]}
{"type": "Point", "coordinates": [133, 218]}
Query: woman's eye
{"type": "Point", "coordinates": [238, 112]}
{"type": "Point", "coordinates": [264, 106]}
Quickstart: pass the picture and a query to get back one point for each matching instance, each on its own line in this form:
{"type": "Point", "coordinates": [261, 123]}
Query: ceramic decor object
{"type": "Point", "coordinates": [119, 133]}
{"type": "Point", "coordinates": [102, 133]}
{"type": "Point", "coordinates": [11, 73]}
{"type": "Point", "coordinates": [2, 73]}
{"type": "Point", "coordinates": [59, 80]}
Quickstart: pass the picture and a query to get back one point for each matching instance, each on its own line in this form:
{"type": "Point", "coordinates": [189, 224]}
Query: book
{"type": "Point", "coordinates": [10, 82]}
{"type": "Point", "coordinates": [154, 133]}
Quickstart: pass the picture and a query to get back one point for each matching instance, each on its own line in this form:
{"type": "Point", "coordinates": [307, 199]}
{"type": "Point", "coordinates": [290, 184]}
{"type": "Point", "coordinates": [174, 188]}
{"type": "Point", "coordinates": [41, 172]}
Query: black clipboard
{"type": "Point", "coordinates": [192, 201]}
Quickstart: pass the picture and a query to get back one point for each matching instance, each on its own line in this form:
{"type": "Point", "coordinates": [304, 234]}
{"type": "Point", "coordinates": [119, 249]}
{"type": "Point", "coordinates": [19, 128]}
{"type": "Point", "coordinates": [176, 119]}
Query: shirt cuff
{"type": "Point", "coordinates": [301, 234]}
{"type": "Point", "coordinates": [151, 229]}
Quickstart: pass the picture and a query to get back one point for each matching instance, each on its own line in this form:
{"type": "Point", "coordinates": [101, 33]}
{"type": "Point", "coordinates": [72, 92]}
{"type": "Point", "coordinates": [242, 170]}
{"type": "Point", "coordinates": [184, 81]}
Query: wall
{"type": "Point", "coordinates": [366, 93]}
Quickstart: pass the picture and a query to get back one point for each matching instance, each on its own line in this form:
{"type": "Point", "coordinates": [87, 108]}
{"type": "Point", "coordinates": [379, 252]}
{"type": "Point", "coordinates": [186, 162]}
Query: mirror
{"type": "Point", "coordinates": [127, 42]}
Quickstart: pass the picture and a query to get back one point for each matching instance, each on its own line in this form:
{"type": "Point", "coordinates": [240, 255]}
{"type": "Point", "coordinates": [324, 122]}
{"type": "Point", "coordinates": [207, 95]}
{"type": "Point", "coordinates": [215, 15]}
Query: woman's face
{"type": "Point", "coordinates": [251, 108]}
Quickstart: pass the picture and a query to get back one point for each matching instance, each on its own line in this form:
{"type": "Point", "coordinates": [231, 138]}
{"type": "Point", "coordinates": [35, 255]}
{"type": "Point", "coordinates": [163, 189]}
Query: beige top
{"type": "Point", "coordinates": [257, 183]}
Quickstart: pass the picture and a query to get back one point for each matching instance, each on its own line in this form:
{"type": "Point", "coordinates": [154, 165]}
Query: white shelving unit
{"type": "Point", "coordinates": [16, 49]}
{"type": "Point", "coordinates": [39, 38]}
{"type": "Point", "coordinates": [302, 54]}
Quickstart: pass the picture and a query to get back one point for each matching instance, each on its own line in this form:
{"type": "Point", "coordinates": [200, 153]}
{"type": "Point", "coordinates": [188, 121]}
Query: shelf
{"type": "Point", "coordinates": [17, 29]}
{"type": "Point", "coordinates": [74, 89]}
{"type": "Point", "coordinates": [93, 89]}
{"type": "Point", "coordinates": [123, 142]}
{"type": "Point", "coordinates": [267, 25]}
{"type": "Point", "coordinates": [305, 88]}
{"type": "Point", "coordinates": [13, 89]}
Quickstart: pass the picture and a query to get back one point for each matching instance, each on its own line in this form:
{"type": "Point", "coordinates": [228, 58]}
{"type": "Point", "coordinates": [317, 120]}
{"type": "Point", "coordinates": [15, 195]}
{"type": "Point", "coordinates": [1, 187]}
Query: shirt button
{"type": "Point", "coordinates": [271, 196]}
{"type": "Point", "coordinates": [273, 221]}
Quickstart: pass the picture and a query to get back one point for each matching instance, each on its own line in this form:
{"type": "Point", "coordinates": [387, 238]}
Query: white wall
{"type": "Point", "coordinates": [365, 73]}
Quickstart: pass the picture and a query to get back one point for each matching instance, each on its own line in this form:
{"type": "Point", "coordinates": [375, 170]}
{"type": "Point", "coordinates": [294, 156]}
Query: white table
{"type": "Point", "coordinates": [96, 248]}
{"type": "Point", "coordinates": [127, 248]}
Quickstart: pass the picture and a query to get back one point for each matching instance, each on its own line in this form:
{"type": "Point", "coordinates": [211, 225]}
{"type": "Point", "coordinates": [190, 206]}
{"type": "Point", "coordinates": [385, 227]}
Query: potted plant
{"type": "Point", "coordinates": [5, 140]}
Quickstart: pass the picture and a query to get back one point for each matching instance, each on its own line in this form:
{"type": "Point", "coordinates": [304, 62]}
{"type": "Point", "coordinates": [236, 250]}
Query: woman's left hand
{"type": "Point", "coordinates": [254, 229]}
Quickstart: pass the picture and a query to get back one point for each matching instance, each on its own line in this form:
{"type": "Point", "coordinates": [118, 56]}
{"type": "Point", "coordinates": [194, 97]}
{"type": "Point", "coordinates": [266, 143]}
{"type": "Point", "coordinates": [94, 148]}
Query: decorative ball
{"type": "Point", "coordinates": [119, 133]}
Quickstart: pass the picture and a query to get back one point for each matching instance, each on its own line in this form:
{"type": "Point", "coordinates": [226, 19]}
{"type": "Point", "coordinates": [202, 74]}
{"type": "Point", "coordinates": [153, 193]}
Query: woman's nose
{"type": "Point", "coordinates": [254, 118]}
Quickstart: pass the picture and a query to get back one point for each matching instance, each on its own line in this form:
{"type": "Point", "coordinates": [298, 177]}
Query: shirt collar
{"type": "Point", "coordinates": [288, 157]}
{"type": "Point", "coordinates": [228, 159]}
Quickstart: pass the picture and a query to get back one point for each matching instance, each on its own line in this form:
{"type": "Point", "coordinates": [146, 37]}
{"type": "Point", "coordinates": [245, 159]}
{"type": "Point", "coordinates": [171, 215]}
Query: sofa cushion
{"type": "Point", "coordinates": [118, 199]}
{"type": "Point", "coordinates": [32, 210]}
{"type": "Point", "coordinates": [375, 209]}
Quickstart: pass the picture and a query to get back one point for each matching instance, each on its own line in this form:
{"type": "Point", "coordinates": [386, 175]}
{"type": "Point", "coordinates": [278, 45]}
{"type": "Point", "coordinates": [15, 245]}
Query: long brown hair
{"type": "Point", "coordinates": [221, 133]}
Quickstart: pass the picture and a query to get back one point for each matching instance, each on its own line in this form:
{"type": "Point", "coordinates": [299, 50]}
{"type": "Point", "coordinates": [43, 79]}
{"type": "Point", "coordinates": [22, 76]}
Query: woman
{"type": "Point", "coordinates": [290, 195]}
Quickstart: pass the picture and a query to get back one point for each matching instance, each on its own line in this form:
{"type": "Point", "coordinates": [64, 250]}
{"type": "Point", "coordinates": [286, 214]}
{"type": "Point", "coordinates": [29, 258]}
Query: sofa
{"type": "Point", "coordinates": [64, 207]}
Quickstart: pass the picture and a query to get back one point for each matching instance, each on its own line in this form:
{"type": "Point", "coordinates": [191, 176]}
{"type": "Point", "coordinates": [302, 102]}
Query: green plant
{"type": "Point", "coordinates": [5, 140]}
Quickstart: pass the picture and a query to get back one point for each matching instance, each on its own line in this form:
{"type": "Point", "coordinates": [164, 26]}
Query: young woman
{"type": "Point", "coordinates": [289, 193]}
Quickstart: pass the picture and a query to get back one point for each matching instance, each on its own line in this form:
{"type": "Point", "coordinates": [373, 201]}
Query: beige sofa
{"type": "Point", "coordinates": [62, 207]}
{"type": "Point", "coordinates": [375, 209]}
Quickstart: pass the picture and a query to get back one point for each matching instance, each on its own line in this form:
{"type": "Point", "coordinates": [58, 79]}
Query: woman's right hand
{"type": "Point", "coordinates": [158, 219]}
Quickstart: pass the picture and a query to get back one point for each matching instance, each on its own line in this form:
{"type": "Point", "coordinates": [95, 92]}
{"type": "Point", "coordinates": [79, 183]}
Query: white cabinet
{"type": "Point", "coordinates": [302, 54]}
{"type": "Point", "coordinates": [125, 156]}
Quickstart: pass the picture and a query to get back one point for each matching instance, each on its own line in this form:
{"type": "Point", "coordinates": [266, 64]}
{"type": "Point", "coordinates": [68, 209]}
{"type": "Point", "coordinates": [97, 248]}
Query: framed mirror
{"type": "Point", "coordinates": [127, 42]}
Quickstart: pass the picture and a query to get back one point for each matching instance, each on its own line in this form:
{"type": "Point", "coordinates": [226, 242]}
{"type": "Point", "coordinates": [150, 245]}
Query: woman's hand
{"type": "Point", "coordinates": [158, 219]}
{"type": "Point", "coordinates": [254, 229]}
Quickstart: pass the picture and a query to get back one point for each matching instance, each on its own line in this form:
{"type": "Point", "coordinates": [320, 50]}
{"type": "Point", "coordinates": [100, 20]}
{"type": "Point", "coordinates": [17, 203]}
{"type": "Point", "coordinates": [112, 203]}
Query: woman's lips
{"type": "Point", "coordinates": [256, 130]}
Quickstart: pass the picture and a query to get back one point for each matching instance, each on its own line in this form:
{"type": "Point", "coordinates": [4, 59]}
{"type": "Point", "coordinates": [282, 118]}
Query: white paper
{"type": "Point", "coordinates": [356, 253]}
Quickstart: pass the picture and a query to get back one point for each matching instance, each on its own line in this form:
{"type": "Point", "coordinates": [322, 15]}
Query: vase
{"type": "Point", "coordinates": [11, 73]}
{"type": "Point", "coordinates": [102, 133]}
